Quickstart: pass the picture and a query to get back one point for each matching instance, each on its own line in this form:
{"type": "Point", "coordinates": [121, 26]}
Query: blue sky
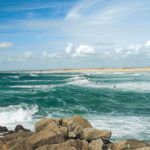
{"type": "Point", "coordinates": [43, 34]}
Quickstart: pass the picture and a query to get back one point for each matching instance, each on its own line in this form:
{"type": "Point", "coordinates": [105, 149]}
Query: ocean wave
{"type": "Point", "coordinates": [78, 80]}
{"type": "Point", "coordinates": [33, 86]}
{"type": "Point", "coordinates": [124, 127]}
{"type": "Point", "coordinates": [17, 114]}
{"type": "Point", "coordinates": [131, 86]}
{"type": "Point", "coordinates": [33, 75]}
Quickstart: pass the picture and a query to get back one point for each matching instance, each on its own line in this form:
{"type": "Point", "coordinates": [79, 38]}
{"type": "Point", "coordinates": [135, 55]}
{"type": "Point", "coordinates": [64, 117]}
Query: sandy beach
{"type": "Point", "coordinates": [103, 70]}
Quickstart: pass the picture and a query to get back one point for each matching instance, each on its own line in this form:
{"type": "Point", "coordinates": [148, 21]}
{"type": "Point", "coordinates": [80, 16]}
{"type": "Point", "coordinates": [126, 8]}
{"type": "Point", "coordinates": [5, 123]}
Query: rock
{"type": "Point", "coordinates": [144, 148]}
{"type": "Point", "coordinates": [75, 132]}
{"type": "Point", "coordinates": [120, 145]}
{"type": "Point", "coordinates": [9, 132]}
{"type": "Point", "coordinates": [75, 126]}
{"type": "Point", "coordinates": [3, 129]}
{"type": "Point", "coordinates": [40, 125]}
{"type": "Point", "coordinates": [76, 121]}
{"type": "Point", "coordinates": [90, 134]}
{"type": "Point", "coordinates": [52, 134]}
{"type": "Point", "coordinates": [5, 147]}
{"type": "Point", "coordinates": [19, 139]}
{"type": "Point", "coordinates": [1, 144]}
{"type": "Point", "coordinates": [22, 144]}
{"type": "Point", "coordinates": [96, 145]}
{"type": "Point", "coordinates": [21, 128]}
{"type": "Point", "coordinates": [136, 144]}
{"type": "Point", "coordinates": [68, 145]}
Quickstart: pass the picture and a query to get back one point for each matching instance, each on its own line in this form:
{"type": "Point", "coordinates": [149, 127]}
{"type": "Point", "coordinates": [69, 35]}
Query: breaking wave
{"type": "Point", "coordinates": [17, 114]}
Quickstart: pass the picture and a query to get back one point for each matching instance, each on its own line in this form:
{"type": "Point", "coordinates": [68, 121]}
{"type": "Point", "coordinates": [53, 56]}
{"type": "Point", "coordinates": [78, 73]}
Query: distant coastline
{"type": "Point", "coordinates": [101, 70]}
{"type": "Point", "coordinates": [109, 70]}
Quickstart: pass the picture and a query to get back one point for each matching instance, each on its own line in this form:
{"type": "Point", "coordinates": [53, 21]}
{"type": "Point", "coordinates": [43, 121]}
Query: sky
{"type": "Point", "coordinates": [48, 34]}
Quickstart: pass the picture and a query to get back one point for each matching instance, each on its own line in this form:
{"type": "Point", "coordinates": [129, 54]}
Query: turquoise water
{"type": "Point", "coordinates": [116, 101]}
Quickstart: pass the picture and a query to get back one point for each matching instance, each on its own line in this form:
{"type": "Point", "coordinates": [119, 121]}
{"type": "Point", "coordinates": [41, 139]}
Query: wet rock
{"type": "Point", "coordinates": [21, 128]}
{"type": "Point", "coordinates": [90, 134]}
{"type": "Point", "coordinates": [3, 129]}
{"type": "Point", "coordinates": [96, 145]}
{"type": "Point", "coordinates": [120, 145]}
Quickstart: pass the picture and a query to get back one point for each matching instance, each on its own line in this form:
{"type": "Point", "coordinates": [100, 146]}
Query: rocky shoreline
{"type": "Point", "coordinates": [74, 133]}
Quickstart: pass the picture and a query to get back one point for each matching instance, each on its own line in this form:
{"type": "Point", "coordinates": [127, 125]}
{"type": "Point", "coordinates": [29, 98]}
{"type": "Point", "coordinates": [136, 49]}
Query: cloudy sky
{"type": "Point", "coordinates": [43, 34]}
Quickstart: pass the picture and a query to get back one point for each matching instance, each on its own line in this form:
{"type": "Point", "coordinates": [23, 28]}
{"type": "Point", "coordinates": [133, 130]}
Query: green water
{"type": "Point", "coordinates": [116, 101]}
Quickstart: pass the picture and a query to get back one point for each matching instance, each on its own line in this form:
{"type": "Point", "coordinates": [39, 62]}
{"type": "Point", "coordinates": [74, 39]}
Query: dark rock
{"type": "Point", "coordinates": [21, 128]}
{"type": "Point", "coordinates": [3, 129]}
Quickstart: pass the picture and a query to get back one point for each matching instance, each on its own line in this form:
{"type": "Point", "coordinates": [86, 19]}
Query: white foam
{"type": "Point", "coordinates": [33, 75]}
{"type": "Point", "coordinates": [17, 114]}
{"type": "Point", "coordinates": [14, 77]}
{"type": "Point", "coordinates": [77, 80]}
{"type": "Point", "coordinates": [124, 126]}
{"type": "Point", "coordinates": [33, 86]}
{"type": "Point", "coordinates": [129, 86]}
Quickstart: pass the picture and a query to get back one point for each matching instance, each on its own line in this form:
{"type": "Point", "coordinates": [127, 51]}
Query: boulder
{"type": "Point", "coordinates": [40, 125]}
{"type": "Point", "coordinates": [21, 128]}
{"type": "Point", "coordinates": [76, 121]}
{"type": "Point", "coordinates": [4, 147]}
{"type": "Point", "coordinates": [21, 144]}
{"type": "Point", "coordinates": [20, 138]}
{"type": "Point", "coordinates": [96, 145]}
{"type": "Point", "coordinates": [90, 134]}
{"type": "Point", "coordinates": [1, 144]}
{"type": "Point", "coordinates": [144, 148]}
{"type": "Point", "coordinates": [75, 126]}
{"type": "Point", "coordinates": [136, 144]}
{"type": "Point", "coordinates": [3, 129]}
{"type": "Point", "coordinates": [52, 134]}
{"type": "Point", "coordinates": [68, 145]}
{"type": "Point", "coordinates": [120, 145]}
{"type": "Point", "coordinates": [75, 132]}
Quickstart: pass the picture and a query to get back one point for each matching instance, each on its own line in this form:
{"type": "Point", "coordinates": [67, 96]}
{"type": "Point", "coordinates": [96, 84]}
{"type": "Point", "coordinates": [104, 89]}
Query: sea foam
{"type": "Point", "coordinates": [17, 114]}
{"type": "Point", "coordinates": [123, 126]}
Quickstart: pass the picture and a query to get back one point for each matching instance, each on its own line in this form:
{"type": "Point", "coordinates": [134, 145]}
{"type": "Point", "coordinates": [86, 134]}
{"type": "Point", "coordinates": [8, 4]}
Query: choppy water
{"type": "Point", "coordinates": [116, 101]}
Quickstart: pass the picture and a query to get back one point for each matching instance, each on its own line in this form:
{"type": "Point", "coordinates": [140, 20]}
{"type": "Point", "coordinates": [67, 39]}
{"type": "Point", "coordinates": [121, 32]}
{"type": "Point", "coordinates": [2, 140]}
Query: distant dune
{"type": "Point", "coordinates": [144, 69]}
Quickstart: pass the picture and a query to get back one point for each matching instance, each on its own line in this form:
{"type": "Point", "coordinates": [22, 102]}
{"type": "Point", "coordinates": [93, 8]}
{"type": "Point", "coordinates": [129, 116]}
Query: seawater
{"type": "Point", "coordinates": [119, 102]}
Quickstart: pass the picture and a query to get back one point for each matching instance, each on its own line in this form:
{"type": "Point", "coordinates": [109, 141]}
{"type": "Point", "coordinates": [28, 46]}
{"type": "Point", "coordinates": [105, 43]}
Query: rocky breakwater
{"type": "Point", "coordinates": [74, 133]}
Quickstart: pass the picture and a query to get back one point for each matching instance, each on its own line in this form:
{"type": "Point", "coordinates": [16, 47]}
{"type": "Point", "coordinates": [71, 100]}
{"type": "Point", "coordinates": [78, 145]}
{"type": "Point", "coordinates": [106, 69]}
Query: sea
{"type": "Point", "coordinates": [118, 101]}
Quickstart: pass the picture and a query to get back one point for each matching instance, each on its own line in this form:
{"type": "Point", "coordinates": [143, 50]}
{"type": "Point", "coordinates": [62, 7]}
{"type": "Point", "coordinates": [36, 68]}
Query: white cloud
{"type": "Point", "coordinates": [69, 48]}
{"type": "Point", "coordinates": [84, 50]}
{"type": "Point", "coordinates": [6, 44]}
{"type": "Point", "coordinates": [81, 50]}
{"type": "Point", "coordinates": [132, 50]}
{"type": "Point", "coordinates": [147, 43]}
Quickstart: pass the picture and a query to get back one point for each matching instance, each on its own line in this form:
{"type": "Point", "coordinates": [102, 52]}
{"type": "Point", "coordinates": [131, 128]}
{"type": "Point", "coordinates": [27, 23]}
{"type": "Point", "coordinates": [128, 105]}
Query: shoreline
{"type": "Point", "coordinates": [96, 70]}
